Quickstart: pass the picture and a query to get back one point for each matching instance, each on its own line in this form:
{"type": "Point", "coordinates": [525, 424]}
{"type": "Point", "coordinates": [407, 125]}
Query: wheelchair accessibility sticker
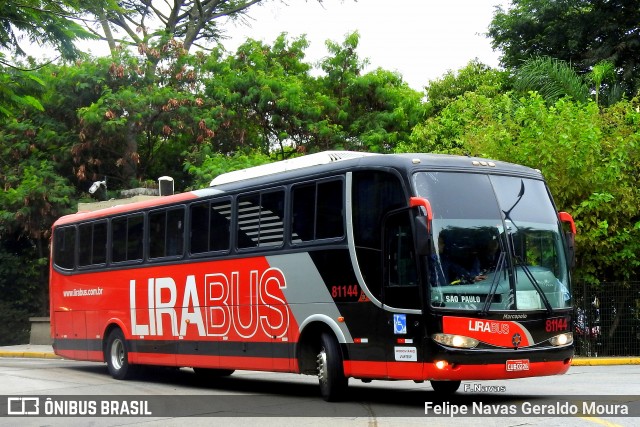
{"type": "Point", "coordinates": [399, 323]}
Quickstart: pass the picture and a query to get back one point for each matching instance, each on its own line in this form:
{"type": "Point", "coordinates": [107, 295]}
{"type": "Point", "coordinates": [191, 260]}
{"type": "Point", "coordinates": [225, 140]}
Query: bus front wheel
{"type": "Point", "coordinates": [117, 356]}
{"type": "Point", "coordinates": [333, 383]}
{"type": "Point", "coordinates": [445, 387]}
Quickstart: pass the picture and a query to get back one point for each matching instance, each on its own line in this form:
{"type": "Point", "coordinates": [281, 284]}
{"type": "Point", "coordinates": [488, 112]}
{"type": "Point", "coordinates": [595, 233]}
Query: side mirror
{"type": "Point", "coordinates": [422, 225]}
{"type": "Point", "coordinates": [423, 247]}
{"type": "Point", "coordinates": [421, 201]}
{"type": "Point", "coordinates": [570, 236]}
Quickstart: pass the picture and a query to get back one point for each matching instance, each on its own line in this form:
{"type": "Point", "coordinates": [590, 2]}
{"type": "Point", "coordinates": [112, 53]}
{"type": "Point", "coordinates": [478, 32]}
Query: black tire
{"type": "Point", "coordinates": [333, 383]}
{"type": "Point", "coordinates": [445, 387]}
{"type": "Point", "coordinates": [117, 356]}
{"type": "Point", "coordinates": [212, 374]}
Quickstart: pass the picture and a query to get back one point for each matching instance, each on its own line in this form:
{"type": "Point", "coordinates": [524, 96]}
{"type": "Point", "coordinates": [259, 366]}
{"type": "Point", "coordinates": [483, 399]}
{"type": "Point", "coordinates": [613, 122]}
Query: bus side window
{"type": "Point", "coordinates": [261, 219]}
{"type": "Point", "coordinates": [272, 218]}
{"type": "Point", "coordinates": [303, 212]}
{"type": "Point", "coordinates": [330, 210]}
{"type": "Point", "coordinates": [127, 234]}
{"type": "Point", "coordinates": [85, 242]}
{"type": "Point", "coordinates": [135, 233]}
{"type": "Point", "coordinates": [317, 211]}
{"type": "Point", "coordinates": [64, 247]}
{"type": "Point", "coordinates": [92, 243]}
{"type": "Point", "coordinates": [156, 234]}
{"type": "Point", "coordinates": [99, 253]}
{"type": "Point", "coordinates": [248, 221]}
{"type": "Point", "coordinates": [119, 239]}
{"type": "Point", "coordinates": [220, 225]}
{"type": "Point", "coordinates": [199, 232]}
{"type": "Point", "coordinates": [166, 233]}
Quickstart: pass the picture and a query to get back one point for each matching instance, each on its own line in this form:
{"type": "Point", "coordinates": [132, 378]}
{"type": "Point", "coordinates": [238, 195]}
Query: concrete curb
{"type": "Point", "coordinates": [30, 354]}
{"type": "Point", "coordinates": [605, 361]}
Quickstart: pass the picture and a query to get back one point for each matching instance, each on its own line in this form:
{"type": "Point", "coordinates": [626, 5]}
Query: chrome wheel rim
{"type": "Point", "coordinates": [117, 354]}
{"type": "Point", "coordinates": [322, 366]}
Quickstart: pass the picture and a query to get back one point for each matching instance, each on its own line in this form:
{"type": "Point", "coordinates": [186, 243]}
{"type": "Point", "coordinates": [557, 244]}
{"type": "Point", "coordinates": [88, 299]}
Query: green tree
{"type": "Point", "coordinates": [366, 111]}
{"type": "Point", "coordinates": [601, 73]}
{"type": "Point", "coordinates": [150, 27]}
{"type": "Point", "coordinates": [44, 23]}
{"type": "Point", "coordinates": [139, 127]}
{"type": "Point", "coordinates": [474, 77]}
{"type": "Point", "coordinates": [580, 32]}
{"type": "Point", "coordinates": [35, 193]}
{"type": "Point", "coordinates": [552, 79]}
{"type": "Point", "coordinates": [214, 164]}
{"type": "Point", "coordinates": [264, 89]}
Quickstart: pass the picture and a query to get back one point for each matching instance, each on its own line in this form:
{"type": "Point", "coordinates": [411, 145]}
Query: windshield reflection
{"type": "Point", "coordinates": [497, 243]}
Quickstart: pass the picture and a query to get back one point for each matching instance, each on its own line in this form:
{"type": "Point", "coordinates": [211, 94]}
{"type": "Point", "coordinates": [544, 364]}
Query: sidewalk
{"type": "Point", "coordinates": [46, 352]}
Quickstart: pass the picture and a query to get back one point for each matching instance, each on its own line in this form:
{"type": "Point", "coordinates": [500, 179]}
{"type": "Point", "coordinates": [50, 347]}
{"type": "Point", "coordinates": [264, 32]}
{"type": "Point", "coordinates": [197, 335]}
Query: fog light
{"type": "Point", "coordinates": [441, 364]}
{"type": "Point", "coordinates": [562, 339]}
{"type": "Point", "coordinates": [458, 341]}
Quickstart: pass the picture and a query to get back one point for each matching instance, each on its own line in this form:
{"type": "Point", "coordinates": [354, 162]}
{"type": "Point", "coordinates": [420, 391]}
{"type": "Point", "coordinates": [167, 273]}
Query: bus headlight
{"type": "Point", "coordinates": [458, 341]}
{"type": "Point", "coordinates": [562, 339]}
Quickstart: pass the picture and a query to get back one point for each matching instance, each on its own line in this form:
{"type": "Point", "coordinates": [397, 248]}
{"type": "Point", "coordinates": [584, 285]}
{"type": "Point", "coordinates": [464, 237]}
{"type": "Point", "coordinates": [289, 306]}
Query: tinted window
{"type": "Point", "coordinates": [329, 210]}
{"type": "Point", "coordinates": [317, 211]}
{"type": "Point", "coordinates": [260, 219]}
{"type": "Point", "coordinates": [303, 213]}
{"type": "Point", "coordinates": [92, 243]}
{"type": "Point", "coordinates": [374, 194]}
{"type": "Point", "coordinates": [210, 226]}
{"type": "Point", "coordinates": [127, 235]}
{"type": "Point", "coordinates": [166, 233]}
{"type": "Point", "coordinates": [64, 247]}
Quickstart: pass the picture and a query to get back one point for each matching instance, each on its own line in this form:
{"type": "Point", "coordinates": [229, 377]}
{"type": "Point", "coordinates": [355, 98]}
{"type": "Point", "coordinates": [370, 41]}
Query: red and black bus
{"type": "Point", "coordinates": [337, 264]}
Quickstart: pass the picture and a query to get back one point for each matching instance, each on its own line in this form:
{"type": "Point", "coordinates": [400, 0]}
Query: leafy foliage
{"type": "Point", "coordinates": [552, 79]}
{"type": "Point", "coordinates": [150, 27]}
{"type": "Point", "coordinates": [215, 164]}
{"type": "Point", "coordinates": [580, 32]}
{"type": "Point", "coordinates": [474, 77]}
{"type": "Point", "coordinates": [44, 22]}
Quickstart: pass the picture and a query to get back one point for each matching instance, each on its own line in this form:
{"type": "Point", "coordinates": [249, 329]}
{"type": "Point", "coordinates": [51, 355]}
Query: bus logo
{"type": "Point", "coordinates": [222, 310]}
{"type": "Point", "coordinates": [516, 339]}
{"type": "Point", "coordinates": [399, 323]}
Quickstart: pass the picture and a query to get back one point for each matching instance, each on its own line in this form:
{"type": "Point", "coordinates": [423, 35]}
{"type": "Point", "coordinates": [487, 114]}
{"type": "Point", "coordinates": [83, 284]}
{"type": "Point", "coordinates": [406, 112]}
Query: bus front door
{"type": "Point", "coordinates": [401, 299]}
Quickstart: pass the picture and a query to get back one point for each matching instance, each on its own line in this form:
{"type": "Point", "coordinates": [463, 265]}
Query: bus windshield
{"type": "Point", "coordinates": [497, 243]}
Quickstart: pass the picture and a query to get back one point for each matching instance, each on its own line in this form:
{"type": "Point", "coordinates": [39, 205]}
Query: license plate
{"type": "Point", "coordinates": [518, 365]}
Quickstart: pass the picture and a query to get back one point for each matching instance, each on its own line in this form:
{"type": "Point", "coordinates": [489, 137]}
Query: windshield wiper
{"type": "Point", "coordinates": [534, 282]}
{"type": "Point", "coordinates": [494, 283]}
{"type": "Point", "coordinates": [507, 213]}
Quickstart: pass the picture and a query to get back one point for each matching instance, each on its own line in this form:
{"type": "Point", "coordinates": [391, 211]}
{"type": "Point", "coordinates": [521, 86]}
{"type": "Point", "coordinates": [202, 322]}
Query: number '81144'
{"type": "Point", "coordinates": [556, 324]}
{"type": "Point", "coordinates": [345, 291]}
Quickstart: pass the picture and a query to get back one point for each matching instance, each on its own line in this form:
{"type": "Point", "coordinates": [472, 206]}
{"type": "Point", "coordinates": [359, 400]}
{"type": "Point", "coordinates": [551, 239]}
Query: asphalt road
{"type": "Point", "coordinates": [257, 398]}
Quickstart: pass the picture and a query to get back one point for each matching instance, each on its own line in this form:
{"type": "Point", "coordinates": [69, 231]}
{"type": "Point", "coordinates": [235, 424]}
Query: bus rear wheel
{"type": "Point", "coordinates": [333, 383]}
{"type": "Point", "coordinates": [445, 387]}
{"type": "Point", "coordinates": [117, 356]}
